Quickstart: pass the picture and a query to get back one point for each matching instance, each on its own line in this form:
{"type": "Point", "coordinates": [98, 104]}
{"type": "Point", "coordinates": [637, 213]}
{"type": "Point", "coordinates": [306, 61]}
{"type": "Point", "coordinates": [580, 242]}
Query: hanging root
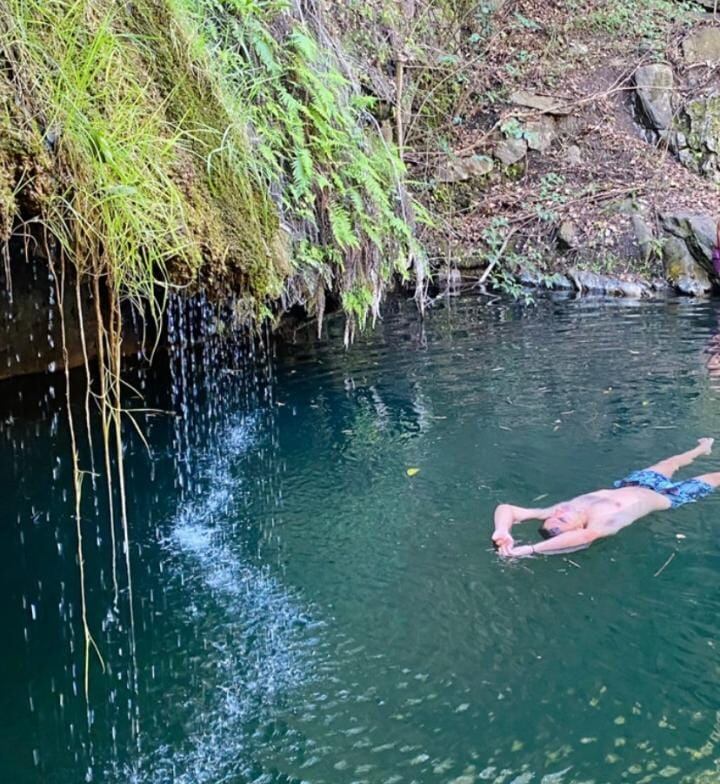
{"type": "Point", "coordinates": [105, 407]}
{"type": "Point", "coordinates": [89, 642]}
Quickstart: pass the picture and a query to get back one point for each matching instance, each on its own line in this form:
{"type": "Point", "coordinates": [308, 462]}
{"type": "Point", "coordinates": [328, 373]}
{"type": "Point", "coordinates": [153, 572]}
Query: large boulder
{"type": "Point", "coordinates": [698, 233]}
{"type": "Point", "coordinates": [655, 86]}
{"type": "Point", "coordinates": [702, 46]}
{"type": "Point", "coordinates": [682, 270]}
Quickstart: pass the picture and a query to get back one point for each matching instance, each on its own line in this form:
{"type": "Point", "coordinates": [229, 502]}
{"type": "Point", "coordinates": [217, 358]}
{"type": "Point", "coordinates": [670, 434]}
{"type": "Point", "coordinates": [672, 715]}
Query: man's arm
{"type": "Point", "coordinates": [507, 515]}
{"type": "Point", "coordinates": [562, 543]}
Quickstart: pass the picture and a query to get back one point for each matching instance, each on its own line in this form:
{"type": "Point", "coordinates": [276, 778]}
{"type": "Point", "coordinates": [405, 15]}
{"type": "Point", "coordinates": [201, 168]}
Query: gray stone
{"type": "Point", "coordinates": [690, 287]}
{"type": "Point", "coordinates": [703, 117]}
{"type": "Point", "coordinates": [655, 88]}
{"type": "Point", "coordinates": [462, 169]}
{"type": "Point", "coordinates": [540, 133]}
{"type": "Point", "coordinates": [569, 235]}
{"type": "Point", "coordinates": [632, 290]}
{"type": "Point", "coordinates": [658, 284]}
{"type": "Point", "coordinates": [709, 165]}
{"type": "Point", "coordinates": [643, 235]}
{"type": "Point", "coordinates": [573, 155]}
{"type": "Point", "coordinates": [510, 151]}
{"type": "Point", "coordinates": [703, 46]}
{"type": "Point", "coordinates": [542, 103]}
{"type": "Point", "coordinates": [687, 159]}
{"type": "Point", "coordinates": [682, 270]}
{"type": "Point", "coordinates": [560, 282]}
{"type": "Point", "coordinates": [605, 284]}
{"type": "Point", "coordinates": [698, 231]}
{"type": "Point", "coordinates": [535, 279]}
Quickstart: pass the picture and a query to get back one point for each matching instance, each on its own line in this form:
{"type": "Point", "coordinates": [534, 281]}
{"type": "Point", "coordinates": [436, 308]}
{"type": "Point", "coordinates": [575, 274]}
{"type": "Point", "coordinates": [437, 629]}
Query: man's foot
{"type": "Point", "coordinates": [705, 445]}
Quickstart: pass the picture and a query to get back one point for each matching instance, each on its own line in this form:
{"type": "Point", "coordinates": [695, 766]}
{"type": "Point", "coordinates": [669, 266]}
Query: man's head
{"type": "Point", "coordinates": [563, 519]}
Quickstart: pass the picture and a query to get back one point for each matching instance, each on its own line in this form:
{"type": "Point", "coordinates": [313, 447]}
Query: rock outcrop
{"type": "Point", "coordinates": [585, 281]}
{"type": "Point", "coordinates": [690, 127]}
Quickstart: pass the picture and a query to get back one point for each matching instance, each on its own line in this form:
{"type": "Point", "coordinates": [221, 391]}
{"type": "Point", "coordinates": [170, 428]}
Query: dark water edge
{"type": "Point", "coordinates": [305, 610]}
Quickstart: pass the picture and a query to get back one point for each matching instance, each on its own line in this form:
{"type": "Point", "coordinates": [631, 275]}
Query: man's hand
{"type": "Point", "coordinates": [503, 541]}
{"type": "Point", "coordinates": [521, 551]}
{"type": "Point", "coordinates": [562, 543]}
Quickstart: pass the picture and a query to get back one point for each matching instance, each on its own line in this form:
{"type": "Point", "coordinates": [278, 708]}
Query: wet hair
{"type": "Point", "coordinates": [548, 533]}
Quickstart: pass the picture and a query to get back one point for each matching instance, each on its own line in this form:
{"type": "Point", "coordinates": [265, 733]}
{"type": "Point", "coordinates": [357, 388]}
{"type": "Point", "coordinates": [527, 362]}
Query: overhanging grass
{"type": "Point", "coordinates": [213, 143]}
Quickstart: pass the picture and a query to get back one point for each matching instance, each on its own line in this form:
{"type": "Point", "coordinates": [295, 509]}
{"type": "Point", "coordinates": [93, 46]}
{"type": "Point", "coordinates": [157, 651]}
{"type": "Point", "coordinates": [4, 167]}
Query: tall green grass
{"type": "Point", "coordinates": [212, 143]}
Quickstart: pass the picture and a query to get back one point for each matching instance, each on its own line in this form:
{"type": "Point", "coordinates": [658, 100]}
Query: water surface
{"type": "Point", "coordinates": [307, 611]}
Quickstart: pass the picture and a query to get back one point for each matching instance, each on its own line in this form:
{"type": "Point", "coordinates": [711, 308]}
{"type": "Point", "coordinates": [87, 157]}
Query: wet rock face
{"type": "Point", "coordinates": [682, 271]}
{"type": "Point", "coordinates": [30, 328]}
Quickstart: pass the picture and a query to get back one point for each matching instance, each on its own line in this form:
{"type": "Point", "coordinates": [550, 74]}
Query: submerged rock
{"type": "Point", "coordinates": [655, 86]}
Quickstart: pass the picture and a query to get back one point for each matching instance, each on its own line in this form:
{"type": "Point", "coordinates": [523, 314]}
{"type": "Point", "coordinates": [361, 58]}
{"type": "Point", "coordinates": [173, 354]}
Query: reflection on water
{"type": "Point", "coordinates": [307, 611]}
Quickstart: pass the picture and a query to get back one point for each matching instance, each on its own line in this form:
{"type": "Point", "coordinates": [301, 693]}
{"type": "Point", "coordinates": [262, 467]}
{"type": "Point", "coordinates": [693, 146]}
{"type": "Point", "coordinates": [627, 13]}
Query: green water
{"type": "Point", "coordinates": [305, 611]}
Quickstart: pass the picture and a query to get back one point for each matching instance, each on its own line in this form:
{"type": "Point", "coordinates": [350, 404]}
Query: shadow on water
{"type": "Point", "coordinates": [306, 610]}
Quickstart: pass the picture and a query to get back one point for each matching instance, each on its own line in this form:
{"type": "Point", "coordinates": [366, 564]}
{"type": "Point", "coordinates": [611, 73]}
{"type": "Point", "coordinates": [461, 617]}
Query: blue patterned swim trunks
{"type": "Point", "coordinates": [678, 493]}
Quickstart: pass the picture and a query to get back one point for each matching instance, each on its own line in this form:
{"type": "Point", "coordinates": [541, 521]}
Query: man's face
{"type": "Point", "coordinates": [562, 520]}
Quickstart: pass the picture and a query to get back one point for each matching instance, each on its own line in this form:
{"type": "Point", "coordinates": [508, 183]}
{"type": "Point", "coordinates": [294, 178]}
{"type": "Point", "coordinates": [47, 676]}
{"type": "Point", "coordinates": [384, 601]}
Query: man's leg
{"type": "Point", "coordinates": [711, 479]}
{"type": "Point", "coordinates": [670, 465]}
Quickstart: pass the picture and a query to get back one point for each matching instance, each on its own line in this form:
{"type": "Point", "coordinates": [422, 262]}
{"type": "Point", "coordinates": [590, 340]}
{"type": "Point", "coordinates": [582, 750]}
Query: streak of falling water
{"type": "Point", "coordinates": [218, 413]}
{"type": "Point", "coordinates": [221, 382]}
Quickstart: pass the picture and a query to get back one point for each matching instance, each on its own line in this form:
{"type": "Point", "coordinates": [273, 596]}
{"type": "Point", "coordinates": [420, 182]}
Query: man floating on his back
{"type": "Point", "coordinates": [575, 524]}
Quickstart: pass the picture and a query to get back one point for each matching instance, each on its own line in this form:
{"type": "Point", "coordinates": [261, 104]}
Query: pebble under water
{"type": "Point", "coordinates": [307, 609]}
